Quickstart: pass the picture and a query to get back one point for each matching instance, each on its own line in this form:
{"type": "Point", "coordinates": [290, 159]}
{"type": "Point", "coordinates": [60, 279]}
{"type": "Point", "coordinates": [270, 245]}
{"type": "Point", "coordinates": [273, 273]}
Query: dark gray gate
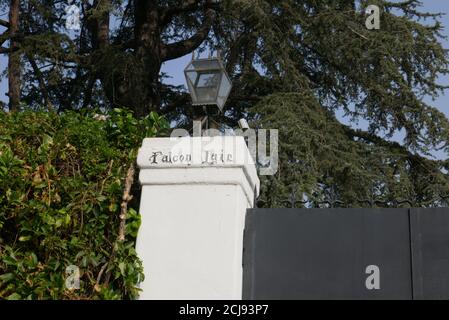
{"type": "Point", "coordinates": [430, 253]}
{"type": "Point", "coordinates": [346, 254]}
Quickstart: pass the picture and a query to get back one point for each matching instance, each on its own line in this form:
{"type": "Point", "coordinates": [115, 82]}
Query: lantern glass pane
{"type": "Point", "coordinates": [208, 80]}
{"type": "Point", "coordinates": [206, 64]}
{"type": "Point", "coordinates": [206, 95]}
{"type": "Point", "coordinates": [191, 76]}
{"type": "Point", "coordinates": [224, 91]}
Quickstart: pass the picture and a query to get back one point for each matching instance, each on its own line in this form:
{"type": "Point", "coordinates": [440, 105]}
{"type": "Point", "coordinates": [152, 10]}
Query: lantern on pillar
{"type": "Point", "coordinates": [208, 82]}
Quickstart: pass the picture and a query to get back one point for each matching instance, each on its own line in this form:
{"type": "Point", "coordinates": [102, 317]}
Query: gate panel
{"type": "Point", "coordinates": [430, 253]}
{"type": "Point", "coordinates": [325, 253]}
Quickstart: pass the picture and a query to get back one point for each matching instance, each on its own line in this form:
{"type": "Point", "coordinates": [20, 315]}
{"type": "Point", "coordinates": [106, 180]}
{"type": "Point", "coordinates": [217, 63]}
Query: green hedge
{"type": "Point", "coordinates": [61, 186]}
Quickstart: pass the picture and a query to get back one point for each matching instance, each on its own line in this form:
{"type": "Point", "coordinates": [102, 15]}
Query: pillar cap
{"type": "Point", "coordinates": [198, 160]}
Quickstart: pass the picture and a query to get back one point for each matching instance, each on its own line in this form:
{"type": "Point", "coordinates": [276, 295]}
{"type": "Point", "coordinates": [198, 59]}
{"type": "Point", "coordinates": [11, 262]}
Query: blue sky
{"type": "Point", "coordinates": [175, 69]}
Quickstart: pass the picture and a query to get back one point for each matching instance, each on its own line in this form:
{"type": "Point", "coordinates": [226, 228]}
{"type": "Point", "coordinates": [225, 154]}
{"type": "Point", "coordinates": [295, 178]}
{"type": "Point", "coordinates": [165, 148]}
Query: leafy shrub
{"type": "Point", "coordinates": [61, 186]}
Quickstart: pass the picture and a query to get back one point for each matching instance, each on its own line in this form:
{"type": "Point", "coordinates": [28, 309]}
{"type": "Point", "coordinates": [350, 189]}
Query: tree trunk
{"type": "Point", "coordinates": [14, 58]}
{"type": "Point", "coordinates": [133, 84]}
{"type": "Point", "coordinates": [148, 57]}
{"type": "Point", "coordinates": [132, 79]}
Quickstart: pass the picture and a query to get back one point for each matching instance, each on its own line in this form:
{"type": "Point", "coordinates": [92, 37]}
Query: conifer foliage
{"type": "Point", "coordinates": [320, 47]}
{"type": "Point", "coordinates": [324, 163]}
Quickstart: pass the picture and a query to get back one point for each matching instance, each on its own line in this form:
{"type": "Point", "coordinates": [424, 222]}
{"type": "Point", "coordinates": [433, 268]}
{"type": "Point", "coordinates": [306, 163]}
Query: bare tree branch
{"type": "Point", "coordinates": [40, 80]}
{"type": "Point", "coordinates": [125, 199]}
{"type": "Point", "coordinates": [87, 97]}
{"type": "Point", "coordinates": [6, 50]}
{"type": "Point", "coordinates": [123, 214]}
{"type": "Point", "coordinates": [4, 23]}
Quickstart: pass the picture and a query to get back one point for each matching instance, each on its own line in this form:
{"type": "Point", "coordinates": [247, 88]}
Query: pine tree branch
{"type": "Point", "coordinates": [181, 48]}
{"type": "Point", "coordinates": [187, 6]}
{"type": "Point", "coordinates": [378, 141]}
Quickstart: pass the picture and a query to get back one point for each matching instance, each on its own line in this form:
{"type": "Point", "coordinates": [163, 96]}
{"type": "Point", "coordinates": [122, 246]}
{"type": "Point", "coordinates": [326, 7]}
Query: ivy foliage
{"type": "Point", "coordinates": [327, 161]}
{"type": "Point", "coordinates": [61, 185]}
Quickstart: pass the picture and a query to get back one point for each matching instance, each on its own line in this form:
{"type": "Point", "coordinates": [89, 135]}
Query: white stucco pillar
{"type": "Point", "coordinates": [195, 192]}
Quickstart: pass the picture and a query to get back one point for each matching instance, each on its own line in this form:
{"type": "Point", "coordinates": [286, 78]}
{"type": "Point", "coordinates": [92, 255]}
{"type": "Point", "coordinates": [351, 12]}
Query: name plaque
{"type": "Point", "coordinates": [194, 151]}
